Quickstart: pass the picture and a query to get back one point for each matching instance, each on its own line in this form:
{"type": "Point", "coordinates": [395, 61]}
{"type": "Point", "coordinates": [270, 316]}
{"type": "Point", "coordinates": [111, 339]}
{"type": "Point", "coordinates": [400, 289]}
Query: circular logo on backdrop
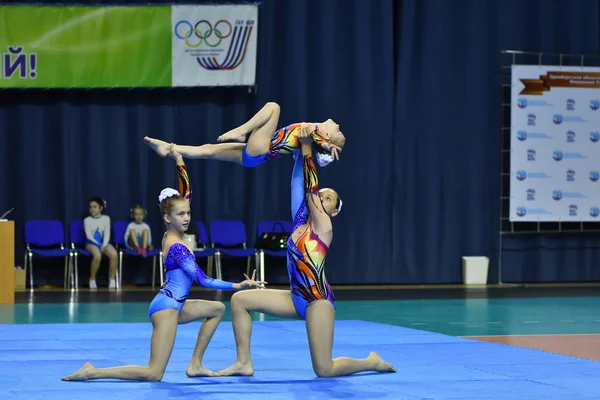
{"type": "Point", "coordinates": [557, 119]}
{"type": "Point", "coordinates": [557, 195]}
{"type": "Point", "coordinates": [557, 155]}
{"type": "Point", "coordinates": [521, 102]}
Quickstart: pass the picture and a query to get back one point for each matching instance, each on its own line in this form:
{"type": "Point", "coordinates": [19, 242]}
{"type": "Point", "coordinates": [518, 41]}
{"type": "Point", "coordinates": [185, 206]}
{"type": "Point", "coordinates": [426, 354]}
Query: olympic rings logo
{"type": "Point", "coordinates": [202, 31]}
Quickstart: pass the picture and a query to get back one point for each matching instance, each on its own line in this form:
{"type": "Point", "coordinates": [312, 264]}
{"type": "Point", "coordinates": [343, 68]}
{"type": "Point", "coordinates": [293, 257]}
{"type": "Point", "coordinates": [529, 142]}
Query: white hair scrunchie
{"type": "Point", "coordinates": [340, 207]}
{"type": "Point", "coordinates": [167, 192]}
{"type": "Point", "coordinates": [324, 159]}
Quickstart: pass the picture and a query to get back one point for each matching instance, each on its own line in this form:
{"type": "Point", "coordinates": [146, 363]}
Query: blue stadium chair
{"type": "Point", "coordinates": [229, 237]}
{"type": "Point", "coordinates": [40, 237]}
{"type": "Point", "coordinates": [204, 251]}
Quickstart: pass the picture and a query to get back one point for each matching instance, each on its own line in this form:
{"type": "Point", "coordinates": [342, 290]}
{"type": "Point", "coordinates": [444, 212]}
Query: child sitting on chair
{"type": "Point", "coordinates": [137, 235]}
{"type": "Point", "coordinates": [97, 232]}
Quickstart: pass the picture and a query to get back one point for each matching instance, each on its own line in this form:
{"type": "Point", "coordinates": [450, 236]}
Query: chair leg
{"type": "Point", "coordinates": [257, 264]}
{"type": "Point", "coordinates": [261, 265]}
{"type": "Point", "coordinates": [116, 278]}
{"type": "Point", "coordinates": [119, 277]}
{"type": "Point", "coordinates": [218, 265]}
{"type": "Point", "coordinates": [26, 266]}
{"type": "Point", "coordinates": [248, 266]}
{"type": "Point", "coordinates": [76, 272]}
{"type": "Point", "coordinates": [209, 266]}
{"type": "Point", "coordinates": [30, 271]}
{"type": "Point", "coordinates": [72, 269]}
{"type": "Point", "coordinates": [66, 272]}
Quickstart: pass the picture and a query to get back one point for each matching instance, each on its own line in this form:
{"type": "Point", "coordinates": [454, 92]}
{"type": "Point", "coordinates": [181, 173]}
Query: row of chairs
{"type": "Point", "coordinates": [47, 239]}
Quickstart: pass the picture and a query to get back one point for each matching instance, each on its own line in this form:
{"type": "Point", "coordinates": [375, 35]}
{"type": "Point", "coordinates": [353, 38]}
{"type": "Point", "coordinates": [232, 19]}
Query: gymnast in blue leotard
{"type": "Point", "coordinates": [180, 262]}
{"type": "Point", "coordinates": [170, 307]}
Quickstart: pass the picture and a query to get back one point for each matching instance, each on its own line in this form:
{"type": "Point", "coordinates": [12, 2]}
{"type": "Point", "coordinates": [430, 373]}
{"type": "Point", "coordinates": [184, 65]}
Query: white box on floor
{"type": "Point", "coordinates": [475, 270]}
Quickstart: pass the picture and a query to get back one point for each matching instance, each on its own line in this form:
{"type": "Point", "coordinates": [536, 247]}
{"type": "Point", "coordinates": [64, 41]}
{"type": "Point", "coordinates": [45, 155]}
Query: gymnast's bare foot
{"type": "Point", "coordinates": [162, 148]}
{"type": "Point", "coordinates": [235, 135]}
{"type": "Point", "coordinates": [194, 370]}
{"type": "Point", "coordinates": [83, 374]}
{"type": "Point", "coordinates": [237, 369]}
{"type": "Point", "coordinates": [379, 364]}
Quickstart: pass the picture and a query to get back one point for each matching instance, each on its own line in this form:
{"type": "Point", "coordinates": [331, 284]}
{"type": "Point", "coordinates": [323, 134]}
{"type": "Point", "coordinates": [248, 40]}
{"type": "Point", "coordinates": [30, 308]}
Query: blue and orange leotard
{"type": "Point", "coordinates": [284, 141]}
{"type": "Point", "coordinates": [181, 267]}
{"type": "Point", "coordinates": [306, 256]}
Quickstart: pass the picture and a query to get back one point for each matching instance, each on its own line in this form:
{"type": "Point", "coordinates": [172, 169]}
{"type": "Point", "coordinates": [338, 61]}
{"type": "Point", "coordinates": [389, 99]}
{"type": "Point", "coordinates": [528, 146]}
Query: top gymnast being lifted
{"type": "Point", "coordinates": [264, 143]}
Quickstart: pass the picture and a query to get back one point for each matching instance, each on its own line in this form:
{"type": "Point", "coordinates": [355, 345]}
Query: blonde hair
{"type": "Point", "coordinates": [338, 140]}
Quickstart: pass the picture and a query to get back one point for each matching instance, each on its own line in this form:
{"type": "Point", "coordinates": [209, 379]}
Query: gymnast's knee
{"type": "Point", "coordinates": [273, 106]}
{"type": "Point", "coordinates": [154, 374]}
{"type": "Point", "coordinates": [219, 309]}
{"type": "Point", "coordinates": [323, 370]}
{"type": "Point", "coordinates": [237, 301]}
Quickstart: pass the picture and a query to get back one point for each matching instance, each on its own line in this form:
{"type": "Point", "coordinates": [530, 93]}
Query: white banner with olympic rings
{"type": "Point", "coordinates": [214, 45]}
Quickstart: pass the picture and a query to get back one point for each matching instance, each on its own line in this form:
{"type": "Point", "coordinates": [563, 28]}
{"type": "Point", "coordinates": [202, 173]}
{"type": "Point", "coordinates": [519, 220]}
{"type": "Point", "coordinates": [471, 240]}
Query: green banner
{"type": "Point", "coordinates": [85, 47]}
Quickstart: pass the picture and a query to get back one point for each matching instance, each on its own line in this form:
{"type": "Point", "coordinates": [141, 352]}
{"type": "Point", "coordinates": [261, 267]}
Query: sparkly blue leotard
{"type": "Point", "coordinates": [181, 267]}
{"type": "Point", "coordinates": [182, 271]}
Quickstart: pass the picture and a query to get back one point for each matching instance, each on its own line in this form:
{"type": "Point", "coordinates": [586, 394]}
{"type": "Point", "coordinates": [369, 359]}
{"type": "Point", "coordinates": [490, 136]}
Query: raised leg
{"type": "Point", "coordinates": [262, 123]}
{"type": "Point", "coordinates": [262, 126]}
{"type": "Point", "coordinates": [272, 302]}
{"type": "Point", "coordinates": [320, 318]}
{"type": "Point", "coordinates": [231, 152]}
{"type": "Point", "coordinates": [164, 325]}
